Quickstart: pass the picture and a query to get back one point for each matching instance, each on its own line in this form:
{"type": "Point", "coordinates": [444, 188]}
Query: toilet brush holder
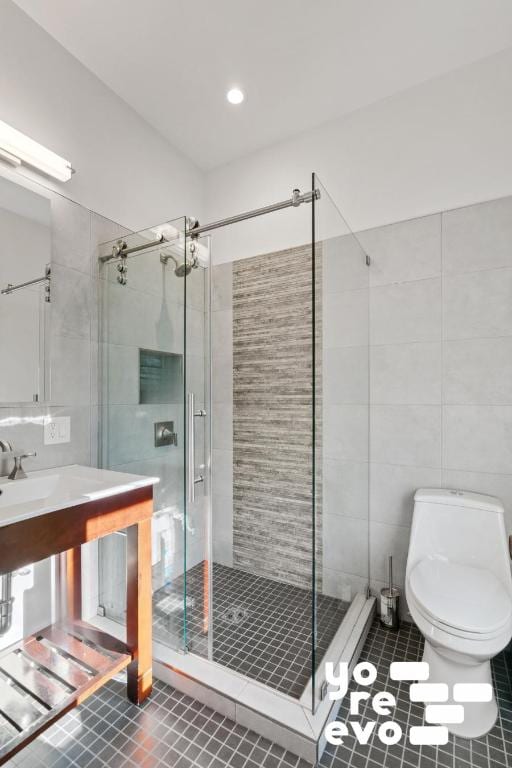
{"type": "Point", "coordinates": [390, 602]}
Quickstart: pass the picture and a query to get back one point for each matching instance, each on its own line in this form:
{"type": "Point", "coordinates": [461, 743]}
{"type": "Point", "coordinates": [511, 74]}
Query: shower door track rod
{"type": "Point", "coordinates": [294, 201]}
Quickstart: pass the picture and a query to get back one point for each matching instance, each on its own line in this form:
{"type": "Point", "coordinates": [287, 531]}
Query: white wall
{"type": "Point", "coordinates": [125, 169]}
{"type": "Point", "coordinates": [438, 146]}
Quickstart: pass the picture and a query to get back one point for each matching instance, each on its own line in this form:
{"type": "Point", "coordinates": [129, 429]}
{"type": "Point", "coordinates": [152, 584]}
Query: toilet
{"type": "Point", "coordinates": [459, 592]}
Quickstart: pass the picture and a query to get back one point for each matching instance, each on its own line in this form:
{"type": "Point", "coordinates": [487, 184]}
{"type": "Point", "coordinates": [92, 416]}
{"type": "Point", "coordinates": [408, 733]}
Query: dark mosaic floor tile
{"type": "Point", "coordinates": [261, 628]}
{"type": "Point", "coordinates": [174, 730]}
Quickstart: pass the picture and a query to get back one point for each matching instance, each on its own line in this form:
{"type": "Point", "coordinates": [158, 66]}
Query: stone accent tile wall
{"type": "Point", "coordinates": [272, 416]}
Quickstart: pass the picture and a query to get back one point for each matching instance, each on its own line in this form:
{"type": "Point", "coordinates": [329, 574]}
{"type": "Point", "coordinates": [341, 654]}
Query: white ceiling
{"type": "Point", "coordinates": [300, 62]}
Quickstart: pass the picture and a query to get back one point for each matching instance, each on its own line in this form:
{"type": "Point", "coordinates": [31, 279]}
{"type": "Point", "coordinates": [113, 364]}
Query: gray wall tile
{"type": "Point", "coordinates": [222, 522]}
{"type": "Point", "coordinates": [478, 236]}
{"type": "Point", "coordinates": [222, 426]}
{"type": "Point", "coordinates": [478, 371]}
{"type": "Point", "coordinates": [406, 374]}
{"type": "Point", "coordinates": [222, 287]}
{"type": "Point", "coordinates": [392, 491]}
{"type": "Point", "coordinates": [70, 370]}
{"type": "Point", "coordinates": [71, 234]}
{"type": "Point", "coordinates": [71, 302]}
{"type": "Point", "coordinates": [480, 482]}
{"type": "Point", "coordinates": [344, 265]}
{"type": "Point", "coordinates": [222, 467]}
{"type": "Point", "coordinates": [477, 304]}
{"type": "Point", "coordinates": [222, 413]}
{"type": "Point", "coordinates": [345, 541]}
{"type": "Point", "coordinates": [478, 438]}
{"type": "Point", "coordinates": [222, 330]}
{"type": "Point", "coordinates": [121, 374]}
{"type": "Point", "coordinates": [388, 540]}
{"type": "Point", "coordinates": [406, 312]}
{"type": "Point", "coordinates": [345, 376]}
{"type": "Point", "coordinates": [408, 250]}
{"type": "Point", "coordinates": [406, 434]}
{"type": "Point", "coordinates": [343, 585]}
{"type": "Point", "coordinates": [345, 488]}
{"type": "Point", "coordinates": [345, 319]}
{"type": "Point", "coordinates": [346, 433]}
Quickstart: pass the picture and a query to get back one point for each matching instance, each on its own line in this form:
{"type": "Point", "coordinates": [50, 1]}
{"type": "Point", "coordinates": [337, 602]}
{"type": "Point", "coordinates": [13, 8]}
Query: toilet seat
{"type": "Point", "coordinates": [462, 600]}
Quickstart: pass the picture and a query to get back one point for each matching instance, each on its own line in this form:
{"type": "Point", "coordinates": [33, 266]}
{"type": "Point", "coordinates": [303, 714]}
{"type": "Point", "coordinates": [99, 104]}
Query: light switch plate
{"type": "Point", "coordinates": [57, 430]}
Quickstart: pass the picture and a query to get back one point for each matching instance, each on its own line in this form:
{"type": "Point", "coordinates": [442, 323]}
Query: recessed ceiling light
{"type": "Point", "coordinates": [235, 96]}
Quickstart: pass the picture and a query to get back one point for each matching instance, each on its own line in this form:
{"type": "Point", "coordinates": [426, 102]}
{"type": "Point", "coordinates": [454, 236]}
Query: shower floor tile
{"type": "Point", "coordinates": [261, 627]}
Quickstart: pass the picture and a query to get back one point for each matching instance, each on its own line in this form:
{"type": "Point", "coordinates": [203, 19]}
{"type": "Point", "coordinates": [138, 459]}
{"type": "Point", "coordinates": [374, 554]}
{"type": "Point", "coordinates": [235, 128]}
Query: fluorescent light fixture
{"type": "Point", "coordinates": [235, 96]}
{"type": "Point", "coordinates": [16, 148]}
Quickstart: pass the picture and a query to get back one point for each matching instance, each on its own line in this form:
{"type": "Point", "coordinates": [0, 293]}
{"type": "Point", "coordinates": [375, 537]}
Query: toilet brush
{"type": "Point", "coordinates": [389, 601]}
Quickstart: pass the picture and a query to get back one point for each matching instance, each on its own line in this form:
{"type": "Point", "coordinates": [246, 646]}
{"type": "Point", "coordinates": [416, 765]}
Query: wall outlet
{"type": "Point", "coordinates": [57, 429]}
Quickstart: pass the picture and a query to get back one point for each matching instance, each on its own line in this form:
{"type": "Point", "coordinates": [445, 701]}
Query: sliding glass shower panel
{"type": "Point", "coordinates": [339, 415]}
{"type": "Point", "coordinates": [190, 584]}
{"type": "Point", "coordinates": [143, 430]}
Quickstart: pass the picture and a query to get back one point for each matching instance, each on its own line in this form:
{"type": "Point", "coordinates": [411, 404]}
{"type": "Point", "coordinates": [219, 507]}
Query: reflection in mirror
{"type": "Point", "coordinates": [25, 237]}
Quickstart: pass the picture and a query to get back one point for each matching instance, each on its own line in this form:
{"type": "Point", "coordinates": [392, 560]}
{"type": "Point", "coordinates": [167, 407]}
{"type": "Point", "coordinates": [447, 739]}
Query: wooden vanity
{"type": "Point", "coordinates": [44, 676]}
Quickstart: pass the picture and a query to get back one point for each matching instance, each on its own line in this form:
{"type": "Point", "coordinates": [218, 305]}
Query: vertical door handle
{"type": "Point", "coordinates": [191, 452]}
{"type": "Point", "coordinates": [191, 461]}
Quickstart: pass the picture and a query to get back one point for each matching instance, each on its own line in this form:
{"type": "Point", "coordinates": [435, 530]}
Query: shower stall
{"type": "Point", "coordinates": [237, 386]}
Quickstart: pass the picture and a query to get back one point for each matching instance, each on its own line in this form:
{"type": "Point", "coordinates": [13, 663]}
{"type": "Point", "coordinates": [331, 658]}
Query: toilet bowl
{"type": "Point", "coordinates": [459, 591]}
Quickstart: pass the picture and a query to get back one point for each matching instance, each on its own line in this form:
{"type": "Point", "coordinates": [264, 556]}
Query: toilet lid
{"type": "Point", "coordinates": [460, 596]}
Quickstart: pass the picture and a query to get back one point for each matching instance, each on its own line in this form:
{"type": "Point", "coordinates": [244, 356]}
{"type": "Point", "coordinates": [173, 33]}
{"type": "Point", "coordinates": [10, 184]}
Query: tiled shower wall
{"type": "Point", "coordinates": [436, 305]}
{"type": "Point", "coordinates": [222, 414]}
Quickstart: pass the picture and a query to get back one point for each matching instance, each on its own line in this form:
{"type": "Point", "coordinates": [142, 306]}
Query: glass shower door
{"type": "Point", "coordinates": [143, 379]}
{"type": "Point", "coordinates": [197, 565]}
{"type": "Point", "coordinates": [340, 418]}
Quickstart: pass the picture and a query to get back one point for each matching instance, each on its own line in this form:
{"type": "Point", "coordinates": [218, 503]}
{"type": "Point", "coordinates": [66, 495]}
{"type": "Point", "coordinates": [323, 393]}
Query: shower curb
{"type": "Point", "coordinates": [270, 713]}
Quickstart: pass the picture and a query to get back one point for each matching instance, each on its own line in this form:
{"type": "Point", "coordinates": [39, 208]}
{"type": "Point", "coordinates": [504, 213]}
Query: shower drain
{"type": "Point", "coordinates": [235, 615]}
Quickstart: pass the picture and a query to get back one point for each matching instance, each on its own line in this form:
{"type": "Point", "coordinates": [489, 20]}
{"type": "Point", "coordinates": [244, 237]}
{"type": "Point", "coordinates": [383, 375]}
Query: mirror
{"type": "Point", "coordinates": [25, 255]}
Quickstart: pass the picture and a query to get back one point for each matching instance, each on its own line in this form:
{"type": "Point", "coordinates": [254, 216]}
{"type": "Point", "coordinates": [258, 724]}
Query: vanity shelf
{"type": "Point", "coordinates": [56, 511]}
{"type": "Point", "coordinates": [44, 676]}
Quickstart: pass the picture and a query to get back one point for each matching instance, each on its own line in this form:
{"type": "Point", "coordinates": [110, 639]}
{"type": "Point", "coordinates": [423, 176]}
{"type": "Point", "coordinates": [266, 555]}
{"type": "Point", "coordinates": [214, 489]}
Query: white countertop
{"type": "Point", "coordinates": [49, 490]}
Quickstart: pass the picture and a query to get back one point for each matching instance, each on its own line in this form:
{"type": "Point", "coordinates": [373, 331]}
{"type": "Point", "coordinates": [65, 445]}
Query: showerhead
{"type": "Point", "coordinates": [184, 269]}
{"type": "Point", "coordinates": [180, 270]}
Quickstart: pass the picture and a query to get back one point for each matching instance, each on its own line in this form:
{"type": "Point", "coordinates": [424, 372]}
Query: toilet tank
{"type": "Point", "coordinates": [460, 526]}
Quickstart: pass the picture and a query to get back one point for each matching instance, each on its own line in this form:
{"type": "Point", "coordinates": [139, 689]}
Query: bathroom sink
{"type": "Point", "coordinates": [48, 490]}
{"type": "Point", "coordinates": [33, 489]}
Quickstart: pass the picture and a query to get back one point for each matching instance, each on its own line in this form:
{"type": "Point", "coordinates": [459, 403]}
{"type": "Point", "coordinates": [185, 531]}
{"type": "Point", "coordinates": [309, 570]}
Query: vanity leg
{"type": "Point", "coordinates": [139, 611]}
{"type": "Point", "coordinates": [74, 584]}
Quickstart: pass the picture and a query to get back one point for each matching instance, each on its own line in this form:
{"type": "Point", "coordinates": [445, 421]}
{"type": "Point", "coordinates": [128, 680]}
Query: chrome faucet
{"type": "Point", "coordinates": [18, 473]}
{"type": "Point", "coordinates": [7, 452]}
